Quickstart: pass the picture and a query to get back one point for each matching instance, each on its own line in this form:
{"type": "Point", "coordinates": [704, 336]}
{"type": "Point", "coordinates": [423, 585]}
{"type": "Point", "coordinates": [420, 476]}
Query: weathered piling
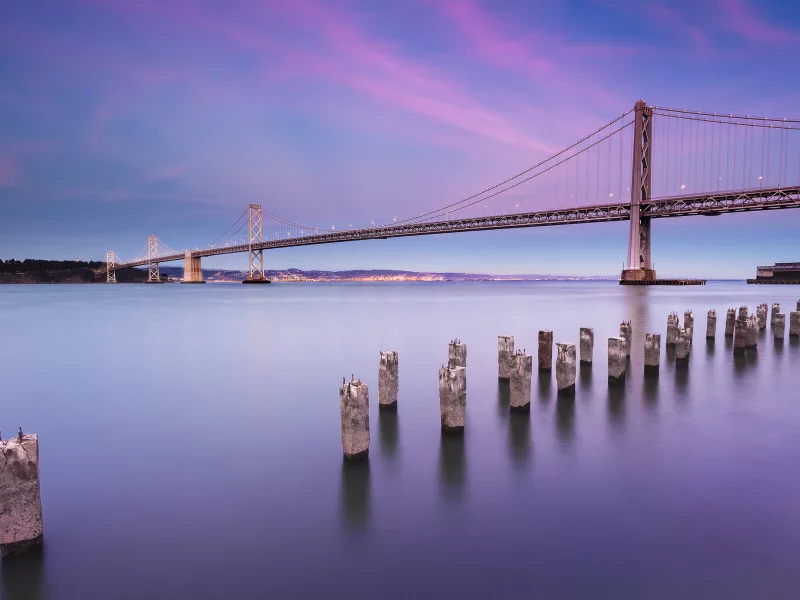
{"type": "Point", "coordinates": [779, 325]}
{"type": "Point", "coordinates": [752, 331]}
{"type": "Point", "coordinates": [505, 356]}
{"type": "Point", "coordinates": [587, 345]}
{"type": "Point", "coordinates": [798, 306]}
{"type": "Point", "coordinates": [617, 360]}
{"type": "Point", "coordinates": [673, 322]}
{"type": "Point", "coordinates": [457, 354]}
{"type": "Point", "coordinates": [740, 336]}
{"type": "Point", "coordinates": [545, 350]}
{"type": "Point", "coordinates": [794, 323]}
{"type": "Point", "coordinates": [688, 323]}
{"type": "Point", "coordinates": [354, 409]}
{"type": "Point", "coordinates": [452, 398]}
{"type": "Point", "coordinates": [566, 369]}
{"type": "Point", "coordinates": [776, 308]}
{"type": "Point", "coordinates": [520, 381]}
{"type": "Point", "coordinates": [683, 347]}
{"type": "Point", "coordinates": [652, 353]}
{"type": "Point", "coordinates": [761, 316]}
{"type": "Point", "coordinates": [20, 496]}
{"type": "Point", "coordinates": [730, 322]}
{"type": "Point", "coordinates": [711, 324]}
{"type": "Point", "coordinates": [743, 312]}
{"type": "Point", "coordinates": [388, 379]}
{"type": "Point", "coordinates": [626, 333]}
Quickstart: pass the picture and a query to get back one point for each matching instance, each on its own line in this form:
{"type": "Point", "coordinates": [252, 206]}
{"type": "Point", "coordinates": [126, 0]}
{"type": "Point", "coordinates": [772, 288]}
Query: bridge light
{"type": "Point", "coordinates": [759, 177]}
{"type": "Point", "coordinates": [683, 186]}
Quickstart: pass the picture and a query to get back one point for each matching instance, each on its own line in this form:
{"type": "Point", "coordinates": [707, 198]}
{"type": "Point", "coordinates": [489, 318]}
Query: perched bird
{"type": "Point", "coordinates": [21, 435]}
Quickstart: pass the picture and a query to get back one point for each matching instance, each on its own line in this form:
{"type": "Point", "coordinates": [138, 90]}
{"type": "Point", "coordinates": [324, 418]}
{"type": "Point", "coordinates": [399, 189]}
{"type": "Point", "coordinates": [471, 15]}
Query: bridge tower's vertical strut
{"type": "Point", "coordinates": [639, 265]}
{"type": "Point", "coordinates": [153, 273]}
{"type": "Point", "coordinates": [111, 261]}
{"type": "Point", "coordinates": [256, 256]}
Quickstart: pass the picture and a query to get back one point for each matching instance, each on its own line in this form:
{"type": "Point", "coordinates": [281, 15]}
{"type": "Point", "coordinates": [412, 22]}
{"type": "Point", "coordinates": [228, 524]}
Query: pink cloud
{"type": "Point", "coordinates": [9, 171]}
{"type": "Point", "coordinates": [739, 17]}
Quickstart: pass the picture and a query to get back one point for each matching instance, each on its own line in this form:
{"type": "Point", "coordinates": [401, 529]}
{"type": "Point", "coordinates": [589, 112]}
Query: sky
{"type": "Point", "coordinates": [122, 118]}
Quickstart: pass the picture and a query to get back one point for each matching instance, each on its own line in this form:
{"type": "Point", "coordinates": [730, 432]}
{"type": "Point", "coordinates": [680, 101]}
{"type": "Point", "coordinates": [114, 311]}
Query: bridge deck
{"type": "Point", "coordinates": [679, 206]}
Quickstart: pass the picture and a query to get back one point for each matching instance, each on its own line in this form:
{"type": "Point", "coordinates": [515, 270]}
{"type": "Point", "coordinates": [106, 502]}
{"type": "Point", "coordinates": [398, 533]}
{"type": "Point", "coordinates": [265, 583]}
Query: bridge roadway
{"type": "Point", "coordinates": [709, 204]}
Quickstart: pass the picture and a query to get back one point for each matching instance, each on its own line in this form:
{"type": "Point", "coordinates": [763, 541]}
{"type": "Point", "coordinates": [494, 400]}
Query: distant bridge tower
{"type": "Point", "coordinates": [256, 256]}
{"type": "Point", "coordinates": [111, 273]}
{"type": "Point", "coordinates": [153, 274]}
{"type": "Point", "coordinates": [639, 266]}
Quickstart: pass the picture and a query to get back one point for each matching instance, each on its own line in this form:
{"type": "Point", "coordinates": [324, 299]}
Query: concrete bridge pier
{"type": "Point", "coordinates": [505, 356]}
{"type": "Point", "coordinates": [20, 499]}
{"type": "Point", "coordinates": [192, 272]}
{"type": "Point", "coordinates": [388, 380]}
{"type": "Point", "coordinates": [354, 410]}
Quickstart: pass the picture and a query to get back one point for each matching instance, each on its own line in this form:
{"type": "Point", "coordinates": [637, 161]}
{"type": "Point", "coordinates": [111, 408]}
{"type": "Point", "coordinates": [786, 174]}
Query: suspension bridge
{"type": "Point", "coordinates": [650, 162]}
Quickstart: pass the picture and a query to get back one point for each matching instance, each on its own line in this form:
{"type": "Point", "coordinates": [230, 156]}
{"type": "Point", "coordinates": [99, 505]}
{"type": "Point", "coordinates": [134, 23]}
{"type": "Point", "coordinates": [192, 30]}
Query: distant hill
{"type": "Point", "coordinates": [61, 271]}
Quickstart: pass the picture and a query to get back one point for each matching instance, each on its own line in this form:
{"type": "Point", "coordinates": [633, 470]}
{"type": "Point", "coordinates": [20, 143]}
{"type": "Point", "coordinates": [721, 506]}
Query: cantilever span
{"type": "Point", "coordinates": [677, 206]}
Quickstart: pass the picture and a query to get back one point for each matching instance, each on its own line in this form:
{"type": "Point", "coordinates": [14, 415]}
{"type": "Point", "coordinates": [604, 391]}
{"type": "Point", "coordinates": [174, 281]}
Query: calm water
{"type": "Point", "coordinates": [190, 447]}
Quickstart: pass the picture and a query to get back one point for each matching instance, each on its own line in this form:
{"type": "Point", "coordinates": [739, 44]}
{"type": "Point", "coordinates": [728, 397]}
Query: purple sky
{"type": "Point", "coordinates": [123, 118]}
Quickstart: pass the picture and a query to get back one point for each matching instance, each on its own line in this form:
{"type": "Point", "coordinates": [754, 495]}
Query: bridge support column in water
{"type": "Point", "coordinates": [354, 409]}
{"type": "Point", "coordinates": [639, 266]}
{"type": "Point", "coordinates": [711, 324]}
{"type": "Point", "coordinates": [617, 361]}
{"type": "Point", "coordinates": [192, 272]}
{"type": "Point", "coordinates": [255, 255]}
{"type": "Point", "coordinates": [545, 350]}
{"type": "Point", "coordinates": [652, 353]}
{"type": "Point", "coordinates": [20, 499]}
{"type": "Point", "coordinates": [779, 325]}
{"type": "Point", "coordinates": [587, 345]}
{"type": "Point", "coordinates": [730, 322]}
{"type": "Point", "coordinates": [626, 333]}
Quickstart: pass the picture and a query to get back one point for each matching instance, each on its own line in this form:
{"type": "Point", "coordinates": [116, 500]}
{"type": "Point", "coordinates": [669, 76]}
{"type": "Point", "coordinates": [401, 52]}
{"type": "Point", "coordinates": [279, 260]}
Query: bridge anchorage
{"type": "Point", "coordinates": [683, 163]}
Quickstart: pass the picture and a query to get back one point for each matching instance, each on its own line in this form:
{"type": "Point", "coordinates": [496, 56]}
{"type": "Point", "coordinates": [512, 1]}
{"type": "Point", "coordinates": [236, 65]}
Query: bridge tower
{"type": "Point", "coordinates": [153, 273]}
{"type": "Point", "coordinates": [639, 266]}
{"type": "Point", "coordinates": [111, 275]}
{"type": "Point", "coordinates": [256, 256]}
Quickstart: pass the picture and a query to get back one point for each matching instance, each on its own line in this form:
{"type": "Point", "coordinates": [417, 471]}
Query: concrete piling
{"type": "Point", "coordinates": [776, 308]}
{"type": "Point", "coordinates": [711, 324]}
{"type": "Point", "coordinates": [20, 496]}
{"type": "Point", "coordinates": [794, 323]}
{"type": "Point", "coordinates": [752, 331]}
{"type": "Point", "coordinates": [740, 335]}
{"type": "Point", "coordinates": [673, 322]}
{"type": "Point", "coordinates": [545, 350]}
{"type": "Point", "coordinates": [566, 369]}
{"type": "Point", "coordinates": [761, 316]}
{"type": "Point", "coordinates": [730, 322]}
{"type": "Point", "coordinates": [457, 354]}
{"type": "Point", "coordinates": [626, 333]}
{"type": "Point", "coordinates": [617, 360]}
{"type": "Point", "coordinates": [388, 379]}
{"type": "Point", "coordinates": [505, 356]}
{"type": "Point", "coordinates": [652, 353]}
{"type": "Point", "coordinates": [683, 347]}
{"type": "Point", "coordinates": [798, 306]}
{"type": "Point", "coordinates": [779, 325]}
{"type": "Point", "coordinates": [452, 398]}
{"type": "Point", "coordinates": [743, 312]}
{"type": "Point", "coordinates": [354, 409]}
{"type": "Point", "coordinates": [587, 345]}
{"type": "Point", "coordinates": [520, 382]}
{"type": "Point", "coordinates": [688, 323]}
